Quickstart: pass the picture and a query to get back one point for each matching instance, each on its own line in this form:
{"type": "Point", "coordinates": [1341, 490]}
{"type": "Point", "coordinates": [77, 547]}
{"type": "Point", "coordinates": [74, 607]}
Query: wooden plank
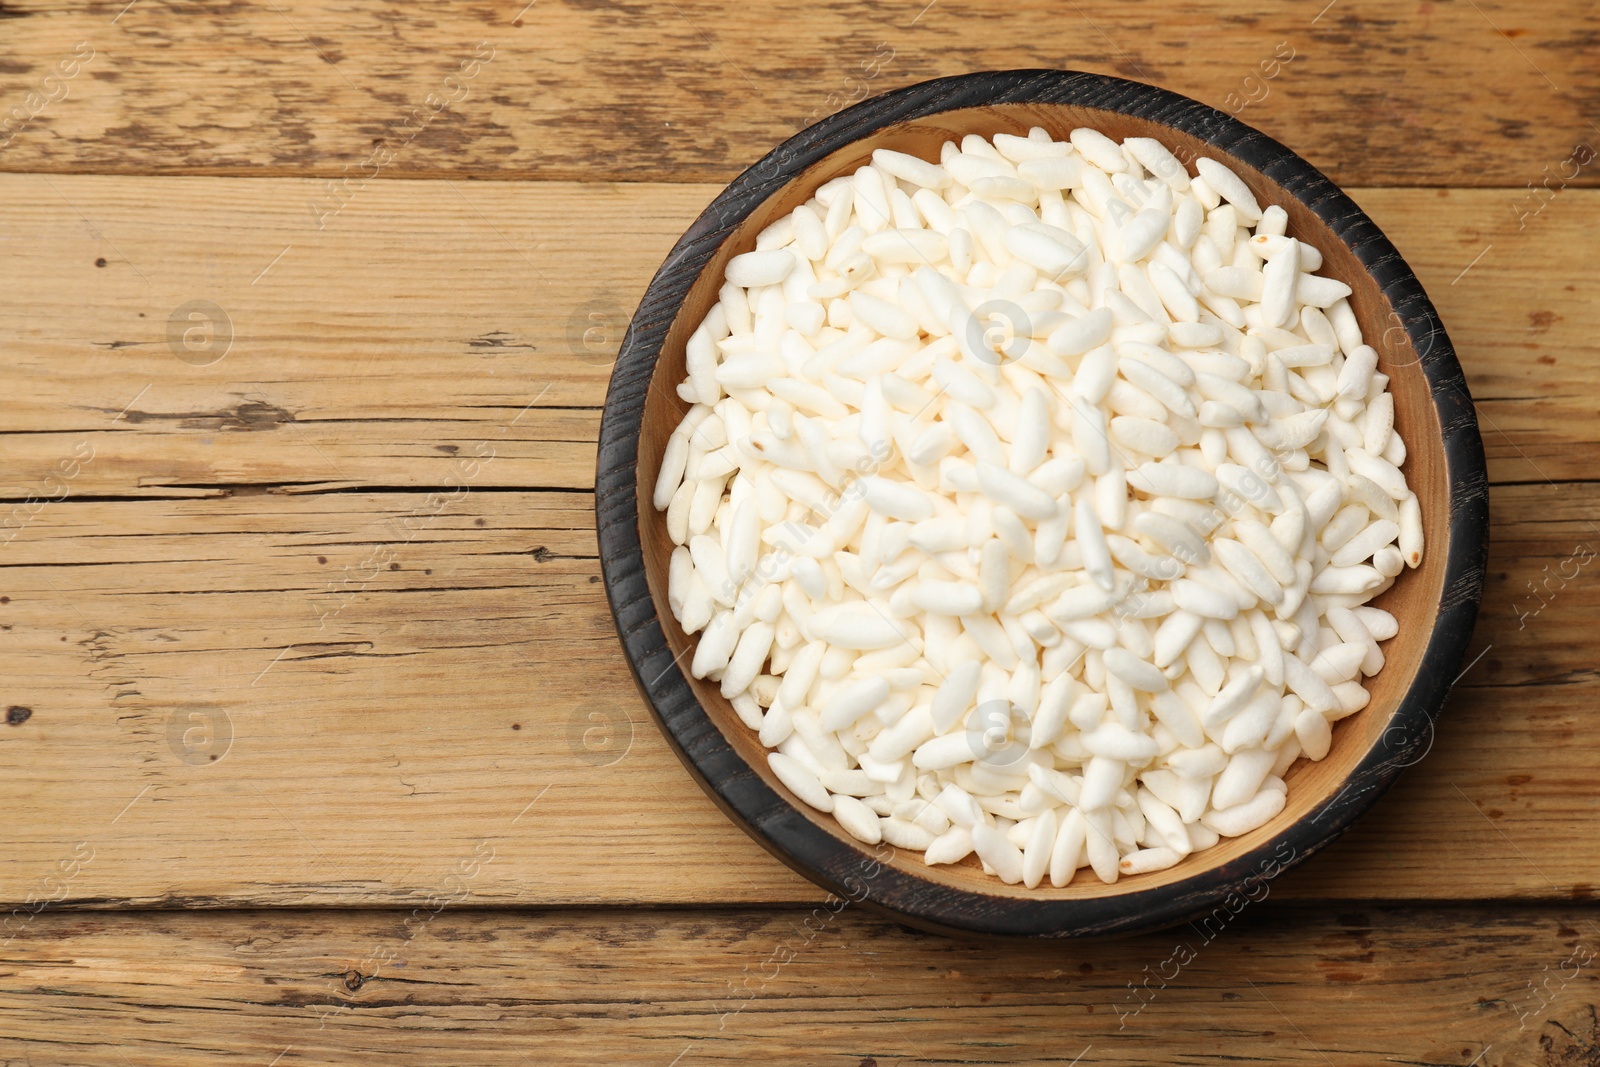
{"type": "Point", "coordinates": [387, 682]}
{"type": "Point", "coordinates": [1372, 93]}
{"type": "Point", "coordinates": [818, 984]}
{"type": "Point", "coordinates": [333, 356]}
{"type": "Point", "coordinates": [422, 321]}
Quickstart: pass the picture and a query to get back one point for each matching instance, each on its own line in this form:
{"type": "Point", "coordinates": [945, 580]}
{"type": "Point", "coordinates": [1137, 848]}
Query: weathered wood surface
{"type": "Point", "coordinates": [1483, 93]}
{"type": "Point", "coordinates": [819, 984]}
{"type": "Point", "coordinates": [387, 681]}
{"type": "Point", "coordinates": [424, 319]}
{"type": "Point", "coordinates": [411, 394]}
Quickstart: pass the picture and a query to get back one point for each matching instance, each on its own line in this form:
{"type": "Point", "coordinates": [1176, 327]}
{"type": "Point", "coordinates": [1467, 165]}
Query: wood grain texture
{"type": "Point", "coordinates": [371, 716]}
{"type": "Point", "coordinates": [1453, 94]}
{"type": "Point", "coordinates": [425, 317]}
{"type": "Point", "coordinates": [821, 985]}
{"type": "Point", "coordinates": [374, 351]}
{"type": "Point", "coordinates": [387, 329]}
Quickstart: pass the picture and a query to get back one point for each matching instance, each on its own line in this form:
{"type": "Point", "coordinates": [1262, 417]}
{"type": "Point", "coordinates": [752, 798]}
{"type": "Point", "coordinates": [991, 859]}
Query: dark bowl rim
{"type": "Point", "coordinates": [845, 869]}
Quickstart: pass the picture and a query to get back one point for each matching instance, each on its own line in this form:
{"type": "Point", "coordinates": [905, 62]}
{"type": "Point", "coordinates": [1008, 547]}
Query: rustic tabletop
{"type": "Point", "coordinates": [319, 745]}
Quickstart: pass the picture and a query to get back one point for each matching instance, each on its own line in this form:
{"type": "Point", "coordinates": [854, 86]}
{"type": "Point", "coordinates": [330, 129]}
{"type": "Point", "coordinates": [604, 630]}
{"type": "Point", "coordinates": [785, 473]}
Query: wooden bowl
{"type": "Point", "coordinates": [1436, 603]}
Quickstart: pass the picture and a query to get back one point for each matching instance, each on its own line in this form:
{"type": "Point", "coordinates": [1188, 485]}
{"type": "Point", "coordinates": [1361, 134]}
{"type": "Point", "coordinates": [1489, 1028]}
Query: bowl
{"type": "Point", "coordinates": [1436, 604]}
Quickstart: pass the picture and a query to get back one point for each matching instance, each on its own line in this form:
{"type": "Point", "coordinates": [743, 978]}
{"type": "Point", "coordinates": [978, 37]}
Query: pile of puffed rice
{"type": "Point", "coordinates": [1029, 502]}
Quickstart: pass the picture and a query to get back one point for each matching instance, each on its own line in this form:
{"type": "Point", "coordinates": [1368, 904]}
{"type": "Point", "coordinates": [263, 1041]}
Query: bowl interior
{"type": "Point", "coordinates": [1413, 599]}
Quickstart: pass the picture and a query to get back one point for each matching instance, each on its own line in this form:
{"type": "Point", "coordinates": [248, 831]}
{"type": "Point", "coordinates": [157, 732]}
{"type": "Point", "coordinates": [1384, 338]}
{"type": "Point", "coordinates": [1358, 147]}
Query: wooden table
{"type": "Point", "coordinates": [320, 747]}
